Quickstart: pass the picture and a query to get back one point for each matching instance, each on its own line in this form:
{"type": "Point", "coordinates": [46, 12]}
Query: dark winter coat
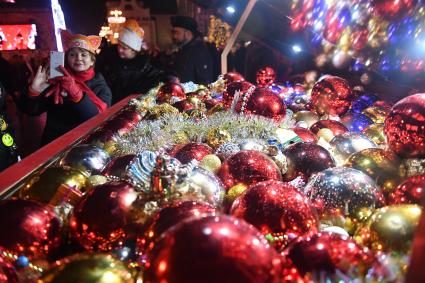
{"type": "Point", "coordinates": [193, 62]}
{"type": "Point", "coordinates": [126, 77]}
{"type": "Point", "coordinates": [8, 149]}
{"type": "Point", "coordinates": [64, 117]}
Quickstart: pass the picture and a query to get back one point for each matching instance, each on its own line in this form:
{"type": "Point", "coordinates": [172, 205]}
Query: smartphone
{"type": "Point", "coordinates": [56, 59]}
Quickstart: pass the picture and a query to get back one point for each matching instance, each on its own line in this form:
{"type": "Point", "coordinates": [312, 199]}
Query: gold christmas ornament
{"type": "Point", "coordinates": [211, 162]}
{"type": "Point", "coordinates": [216, 137]}
{"type": "Point", "coordinates": [390, 229]}
{"type": "Point", "coordinates": [377, 113]}
{"type": "Point", "coordinates": [233, 193]}
{"type": "Point", "coordinates": [84, 268]}
{"type": "Point", "coordinates": [381, 165]}
{"type": "Point", "coordinates": [56, 186]}
{"type": "Point", "coordinates": [375, 133]}
{"type": "Point", "coordinates": [307, 117]}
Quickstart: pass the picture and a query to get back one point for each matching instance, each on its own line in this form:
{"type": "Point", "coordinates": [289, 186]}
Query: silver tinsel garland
{"type": "Point", "coordinates": [162, 133]}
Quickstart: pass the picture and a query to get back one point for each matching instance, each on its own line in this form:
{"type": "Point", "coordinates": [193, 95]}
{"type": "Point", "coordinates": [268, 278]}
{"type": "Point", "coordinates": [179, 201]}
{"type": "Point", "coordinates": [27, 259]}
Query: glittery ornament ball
{"type": "Point", "coordinates": [332, 95]}
{"type": "Point", "coordinates": [211, 162]}
{"type": "Point", "coordinates": [410, 191]}
{"type": "Point", "coordinates": [108, 215]}
{"type": "Point", "coordinates": [248, 167]}
{"type": "Point", "coordinates": [212, 249]}
{"type": "Point", "coordinates": [343, 195]}
{"type": "Point", "coordinates": [29, 228]}
{"type": "Point", "coordinates": [328, 254]}
{"type": "Point", "coordinates": [265, 103]}
{"type": "Point", "coordinates": [190, 151]}
{"type": "Point", "coordinates": [277, 209]}
{"type": "Point", "coordinates": [405, 127]}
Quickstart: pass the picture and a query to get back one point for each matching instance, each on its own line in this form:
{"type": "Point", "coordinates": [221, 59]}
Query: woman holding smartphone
{"type": "Point", "coordinates": [73, 98]}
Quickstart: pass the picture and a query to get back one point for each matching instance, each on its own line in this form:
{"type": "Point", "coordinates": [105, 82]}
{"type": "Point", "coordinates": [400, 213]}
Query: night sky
{"type": "Point", "coordinates": [84, 16]}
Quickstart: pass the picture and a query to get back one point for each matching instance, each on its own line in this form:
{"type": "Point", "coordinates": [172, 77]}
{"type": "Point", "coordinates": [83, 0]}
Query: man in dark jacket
{"type": "Point", "coordinates": [193, 60]}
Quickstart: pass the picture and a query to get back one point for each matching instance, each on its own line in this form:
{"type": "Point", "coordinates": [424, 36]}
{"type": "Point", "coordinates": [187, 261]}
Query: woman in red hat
{"type": "Point", "coordinates": [76, 96]}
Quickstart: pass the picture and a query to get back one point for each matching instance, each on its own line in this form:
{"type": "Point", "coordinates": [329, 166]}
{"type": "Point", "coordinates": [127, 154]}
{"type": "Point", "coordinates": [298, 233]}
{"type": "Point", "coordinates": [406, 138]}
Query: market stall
{"type": "Point", "coordinates": [312, 180]}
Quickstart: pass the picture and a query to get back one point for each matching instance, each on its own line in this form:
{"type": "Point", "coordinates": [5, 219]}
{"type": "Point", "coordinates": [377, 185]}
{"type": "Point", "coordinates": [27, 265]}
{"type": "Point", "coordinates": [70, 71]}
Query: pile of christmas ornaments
{"type": "Point", "coordinates": [233, 182]}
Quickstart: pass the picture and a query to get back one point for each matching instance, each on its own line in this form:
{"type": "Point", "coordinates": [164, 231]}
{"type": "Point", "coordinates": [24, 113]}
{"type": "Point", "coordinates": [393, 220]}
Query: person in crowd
{"type": "Point", "coordinates": [126, 68]}
{"type": "Point", "coordinates": [193, 60]}
{"type": "Point", "coordinates": [73, 98]}
{"type": "Point", "coordinates": [8, 148]}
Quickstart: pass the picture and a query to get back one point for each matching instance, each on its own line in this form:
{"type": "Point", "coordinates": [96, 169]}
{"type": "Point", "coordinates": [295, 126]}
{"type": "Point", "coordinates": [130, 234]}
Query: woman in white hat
{"type": "Point", "coordinates": [127, 69]}
{"type": "Point", "coordinates": [73, 98]}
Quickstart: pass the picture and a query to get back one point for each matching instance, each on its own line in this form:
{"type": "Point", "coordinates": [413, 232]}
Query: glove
{"type": "Point", "coordinates": [65, 86]}
{"type": "Point", "coordinates": [56, 92]}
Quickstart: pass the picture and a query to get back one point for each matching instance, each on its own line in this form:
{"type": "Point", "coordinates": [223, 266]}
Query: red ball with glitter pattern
{"type": "Point", "coordinates": [240, 87]}
{"type": "Point", "coordinates": [108, 215]}
{"type": "Point", "coordinates": [29, 228]}
{"type": "Point", "coordinates": [212, 249]}
{"type": "Point", "coordinates": [170, 215]}
{"type": "Point", "coordinates": [332, 95]}
{"type": "Point", "coordinates": [411, 191]}
{"type": "Point", "coordinates": [405, 127]}
{"type": "Point", "coordinates": [265, 103]}
{"type": "Point", "coordinates": [277, 209]}
{"type": "Point", "coordinates": [188, 152]}
{"type": "Point", "coordinates": [170, 93]}
{"type": "Point", "coordinates": [326, 253]}
{"type": "Point", "coordinates": [248, 167]}
{"type": "Point", "coordinates": [265, 77]}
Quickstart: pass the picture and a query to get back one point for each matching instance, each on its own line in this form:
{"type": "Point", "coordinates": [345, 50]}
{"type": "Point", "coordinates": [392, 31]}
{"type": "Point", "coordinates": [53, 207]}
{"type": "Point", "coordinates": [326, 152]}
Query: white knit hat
{"type": "Point", "coordinates": [132, 35]}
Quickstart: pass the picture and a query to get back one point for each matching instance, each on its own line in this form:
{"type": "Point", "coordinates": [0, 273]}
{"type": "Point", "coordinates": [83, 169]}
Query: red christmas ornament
{"type": "Point", "coordinates": [233, 77]}
{"type": "Point", "coordinates": [405, 127]}
{"type": "Point", "coordinates": [210, 103]}
{"type": "Point", "coordinates": [100, 136]}
{"type": "Point", "coordinates": [277, 209]}
{"type": "Point", "coordinates": [248, 167]}
{"type": "Point", "coordinates": [326, 253]}
{"type": "Point", "coordinates": [184, 105]}
{"type": "Point", "coordinates": [8, 273]}
{"type": "Point", "coordinates": [266, 77]}
{"type": "Point", "coordinates": [337, 128]}
{"type": "Point", "coordinates": [118, 125]}
{"type": "Point", "coordinates": [332, 95]}
{"type": "Point", "coordinates": [28, 228]}
{"type": "Point", "coordinates": [130, 114]}
{"type": "Point", "coordinates": [392, 9]}
{"type": "Point", "coordinates": [359, 39]}
{"type": "Point", "coordinates": [169, 216]}
{"type": "Point", "coordinates": [190, 151]}
{"type": "Point", "coordinates": [305, 159]}
{"type": "Point", "coordinates": [107, 216]}
{"type": "Point", "coordinates": [305, 134]}
{"type": "Point", "coordinates": [117, 166]}
{"type": "Point", "coordinates": [411, 191]}
{"type": "Point", "coordinates": [265, 103]}
{"type": "Point", "coordinates": [212, 249]}
{"type": "Point", "coordinates": [236, 87]}
{"type": "Point", "coordinates": [170, 93]}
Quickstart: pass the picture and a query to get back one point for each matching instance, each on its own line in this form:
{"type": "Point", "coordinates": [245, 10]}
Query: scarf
{"type": "Point", "coordinates": [80, 79]}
